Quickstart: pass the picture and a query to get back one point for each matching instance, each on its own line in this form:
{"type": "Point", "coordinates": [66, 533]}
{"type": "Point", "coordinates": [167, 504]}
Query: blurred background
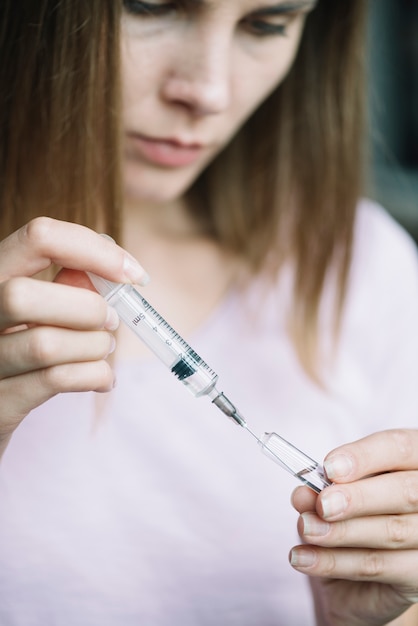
{"type": "Point", "coordinates": [393, 108]}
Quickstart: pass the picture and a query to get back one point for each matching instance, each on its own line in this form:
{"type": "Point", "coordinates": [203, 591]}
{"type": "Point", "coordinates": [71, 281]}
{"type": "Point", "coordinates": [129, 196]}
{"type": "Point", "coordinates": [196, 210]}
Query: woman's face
{"type": "Point", "coordinates": [193, 71]}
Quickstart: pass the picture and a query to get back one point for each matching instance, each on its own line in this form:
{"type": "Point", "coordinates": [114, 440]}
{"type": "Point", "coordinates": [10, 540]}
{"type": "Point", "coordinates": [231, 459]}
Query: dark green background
{"type": "Point", "coordinates": [393, 108]}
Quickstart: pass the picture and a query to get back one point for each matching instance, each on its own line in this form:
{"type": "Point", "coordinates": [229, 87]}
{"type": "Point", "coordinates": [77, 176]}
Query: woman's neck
{"type": "Point", "coordinates": [190, 273]}
{"type": "Point", "coordinates": [170, 221]}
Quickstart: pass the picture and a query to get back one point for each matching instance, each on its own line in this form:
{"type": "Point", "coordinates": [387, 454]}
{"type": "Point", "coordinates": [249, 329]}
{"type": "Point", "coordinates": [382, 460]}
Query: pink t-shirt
{"type": "Point", "coordinates": [155, 509]}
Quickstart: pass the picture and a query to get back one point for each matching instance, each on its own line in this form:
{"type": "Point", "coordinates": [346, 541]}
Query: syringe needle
{"type": "Point", "coordinates": [253, 434]}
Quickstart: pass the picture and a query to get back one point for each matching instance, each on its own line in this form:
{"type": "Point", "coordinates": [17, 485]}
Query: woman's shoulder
{"type": "Point", "coordinates": [378, 236]}
{"type": "Point", "coordinates": [385, 257]}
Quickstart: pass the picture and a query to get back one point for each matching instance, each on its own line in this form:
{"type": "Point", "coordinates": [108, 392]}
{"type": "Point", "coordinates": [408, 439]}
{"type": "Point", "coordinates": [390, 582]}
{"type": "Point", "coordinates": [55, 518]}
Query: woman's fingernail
{"type": "Point", "coordinates": [112, 345]}
{"type": "Point", "coordinates": [338, 466]}
{"type": "Point", "coordinates": [314, 526]}
{"type": "Point", "coordinates": [333, 503]}
{"type": "Point", "coordinates": [134, 272]}
{"type": "Point", "coordinates": [112, 319]}
{"type": "Point", "coordinates": [302, 557]}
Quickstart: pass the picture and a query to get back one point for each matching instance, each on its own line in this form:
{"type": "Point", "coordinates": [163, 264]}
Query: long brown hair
{"type": "Point", "coordinates": [59, 112]}
{"type": "Point", "coordinates": [285, 188]}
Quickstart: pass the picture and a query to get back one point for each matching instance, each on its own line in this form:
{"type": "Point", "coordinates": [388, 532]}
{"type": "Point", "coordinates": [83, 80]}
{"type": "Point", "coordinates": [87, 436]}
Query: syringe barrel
{"type": "Point", "coordinates": [136, 312]}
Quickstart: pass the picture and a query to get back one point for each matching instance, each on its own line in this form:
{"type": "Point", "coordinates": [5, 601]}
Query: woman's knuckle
{"type": "Point", "coordinates": [95, 375]}
{"type": "Point", "coordinates": [38, 231]}
{"type": "Point", "coordinates": [357, 497]}
{"type": "Point", "coordinates": [403, 442]}
{"type": "Point", "coordinates": [329, 565]}
{"type": "Point", "coordinates": [371, 564]}
{"type": "Point", "coordinates": [43, 347]}
{"type": "Point", "coordinates": [54, 378]}
{"type": "Point", "coordinates": [397, 530]}
{"type": "Point", "coordinates": [340, 531]}
{"type": "Point", "coordinates": [411, 491]}
{"type": "Point", "coordinates": [14, 298]}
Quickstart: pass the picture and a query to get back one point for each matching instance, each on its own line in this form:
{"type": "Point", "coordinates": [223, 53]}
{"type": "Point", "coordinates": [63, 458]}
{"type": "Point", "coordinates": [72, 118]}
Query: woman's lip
{"type": "Point", "coordinates": [166, 152]}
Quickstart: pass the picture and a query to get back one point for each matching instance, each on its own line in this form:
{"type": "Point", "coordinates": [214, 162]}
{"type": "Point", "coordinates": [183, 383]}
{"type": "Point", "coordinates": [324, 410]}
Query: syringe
{"type": "Point", "coordinates": [137, 313]}
{"type": "Point", "coordinates": [165, 342]}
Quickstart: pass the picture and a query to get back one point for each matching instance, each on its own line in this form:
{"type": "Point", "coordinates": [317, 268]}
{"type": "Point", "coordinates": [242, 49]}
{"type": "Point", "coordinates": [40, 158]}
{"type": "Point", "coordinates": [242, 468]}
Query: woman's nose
{"type": "Point", "coordinates": [199, 79]}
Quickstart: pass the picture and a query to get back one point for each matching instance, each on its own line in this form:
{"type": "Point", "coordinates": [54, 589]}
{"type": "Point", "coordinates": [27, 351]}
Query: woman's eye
{"type": "Point", "coordinates": [148, 9]}
{"type": "Point", "coordinates": [264, 28]}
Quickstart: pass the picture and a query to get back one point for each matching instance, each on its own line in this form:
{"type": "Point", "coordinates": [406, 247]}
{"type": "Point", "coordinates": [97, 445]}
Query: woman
{"type": "Point", "coordinates": [239, 139]}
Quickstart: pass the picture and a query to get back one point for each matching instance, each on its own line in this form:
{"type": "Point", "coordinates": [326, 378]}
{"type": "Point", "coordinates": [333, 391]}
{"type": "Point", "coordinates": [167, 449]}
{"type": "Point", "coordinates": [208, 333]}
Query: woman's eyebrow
{"type": "Point", "coordinates": [282, 8]}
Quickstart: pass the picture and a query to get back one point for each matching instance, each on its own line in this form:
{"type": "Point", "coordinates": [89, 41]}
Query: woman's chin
{"type": "Point", "coordinates": [157, 188]}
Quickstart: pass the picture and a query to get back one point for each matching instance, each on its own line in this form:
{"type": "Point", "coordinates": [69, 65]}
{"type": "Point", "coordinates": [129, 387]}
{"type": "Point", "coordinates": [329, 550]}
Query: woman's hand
{"type": "Point", "coordinates": [362, 532]}
{"type": "Point", "coordinates": [55, 337]}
